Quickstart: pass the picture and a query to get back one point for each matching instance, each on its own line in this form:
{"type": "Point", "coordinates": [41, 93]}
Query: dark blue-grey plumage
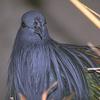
{"type": "Point", "coordinates": [37, 62]}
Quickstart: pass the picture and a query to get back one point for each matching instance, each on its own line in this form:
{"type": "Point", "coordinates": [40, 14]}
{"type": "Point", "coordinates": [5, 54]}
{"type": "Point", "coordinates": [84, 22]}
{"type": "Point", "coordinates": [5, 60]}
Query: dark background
{"type": "Point", "coordinates": [65, 23]}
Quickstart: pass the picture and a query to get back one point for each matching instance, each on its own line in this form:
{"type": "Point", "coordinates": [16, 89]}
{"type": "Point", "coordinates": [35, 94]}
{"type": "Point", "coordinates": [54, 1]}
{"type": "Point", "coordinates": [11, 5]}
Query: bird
{"type": "Point", "coordinates": [37, 61]}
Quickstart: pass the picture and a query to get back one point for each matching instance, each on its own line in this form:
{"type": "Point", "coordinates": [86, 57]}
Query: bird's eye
{"type": "Point", "coordinates": [45, 23]}
{"type": "Point", "coordinates": [23, 24]}
{"type": "Point", "coordinates": [35, 27]}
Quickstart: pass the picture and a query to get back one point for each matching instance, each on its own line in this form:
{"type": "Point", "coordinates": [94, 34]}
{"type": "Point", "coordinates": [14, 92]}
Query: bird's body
{"type": "Point", "coordinates": [37, 62]}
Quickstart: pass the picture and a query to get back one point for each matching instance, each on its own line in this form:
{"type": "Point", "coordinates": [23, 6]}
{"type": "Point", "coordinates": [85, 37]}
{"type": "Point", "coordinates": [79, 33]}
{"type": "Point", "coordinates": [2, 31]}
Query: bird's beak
{"type": "Point", "coordinates": [38, 28]}
{"type": "Point", "coordinates": [38, 31]}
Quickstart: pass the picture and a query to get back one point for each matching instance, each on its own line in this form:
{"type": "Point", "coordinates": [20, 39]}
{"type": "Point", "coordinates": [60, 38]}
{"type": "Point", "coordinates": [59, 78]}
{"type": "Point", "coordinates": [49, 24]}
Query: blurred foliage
{"type": "Point", "coordinates": [94, 87]}
{"type": "Point", "coordinates": [36, 3]}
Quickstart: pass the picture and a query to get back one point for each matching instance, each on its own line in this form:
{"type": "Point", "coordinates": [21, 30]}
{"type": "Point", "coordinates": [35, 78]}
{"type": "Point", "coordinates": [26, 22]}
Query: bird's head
{"type": "Point", "coordinates": [34, 25]}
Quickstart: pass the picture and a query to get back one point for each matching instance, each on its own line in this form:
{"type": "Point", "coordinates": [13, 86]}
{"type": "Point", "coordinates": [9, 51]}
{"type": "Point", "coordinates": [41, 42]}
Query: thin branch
{"type": "Point", "coordinates": [86, 12]}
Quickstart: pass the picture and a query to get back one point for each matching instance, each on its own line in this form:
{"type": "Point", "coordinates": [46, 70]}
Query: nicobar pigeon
{"type": "Point", "coordinates": [37, 61]}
